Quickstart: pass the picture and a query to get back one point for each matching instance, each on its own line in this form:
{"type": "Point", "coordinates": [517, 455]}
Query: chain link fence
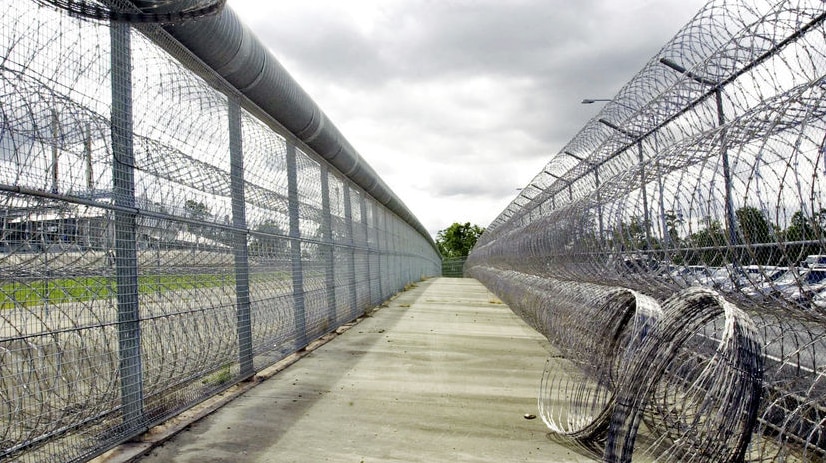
{"type": "Point", "coordinates": [162, 236]}
{"type": "Point", "coordinates": [674, 251]}
{"type": "Point", "coordinates": [453, 267]}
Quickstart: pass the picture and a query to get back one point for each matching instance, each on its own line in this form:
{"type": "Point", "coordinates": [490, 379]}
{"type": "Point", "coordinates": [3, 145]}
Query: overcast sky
{"type": "Point", "coordinates": [457, 103]}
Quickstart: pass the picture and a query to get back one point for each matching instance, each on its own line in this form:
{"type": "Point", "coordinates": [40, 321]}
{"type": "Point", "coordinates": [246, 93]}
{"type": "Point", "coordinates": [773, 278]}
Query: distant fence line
{"type": "Point", "coordinates": [453, 267]}
{"type": "Point", "coordinates": [162, 236]}
{"type": "Point", "coordinates": [674, 251]}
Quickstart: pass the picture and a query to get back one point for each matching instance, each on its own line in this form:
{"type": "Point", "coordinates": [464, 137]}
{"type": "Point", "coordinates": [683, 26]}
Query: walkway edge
{"type": "Point", "coordinates": [131, 451]}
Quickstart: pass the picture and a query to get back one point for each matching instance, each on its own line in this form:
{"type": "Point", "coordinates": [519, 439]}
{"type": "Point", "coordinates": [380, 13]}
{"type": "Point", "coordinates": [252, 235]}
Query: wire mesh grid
{"type": "Point", "coordinates": [673, 250]}
{"type": "Point", "coordinates": [161, 238]}
{"type": "Point", "coordinates": [139, 11]}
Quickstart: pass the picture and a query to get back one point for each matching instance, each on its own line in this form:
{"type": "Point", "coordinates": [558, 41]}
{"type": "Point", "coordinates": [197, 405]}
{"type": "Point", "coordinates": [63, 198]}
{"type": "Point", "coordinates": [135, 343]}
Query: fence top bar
{"type": "Point", "coordinates": [232, 51]}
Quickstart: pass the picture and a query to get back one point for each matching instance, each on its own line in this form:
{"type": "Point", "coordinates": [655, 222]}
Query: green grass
{"type": "Point", "coordinates": [223, 375]}
{"type": "Point", "coordinates": [63, 290]}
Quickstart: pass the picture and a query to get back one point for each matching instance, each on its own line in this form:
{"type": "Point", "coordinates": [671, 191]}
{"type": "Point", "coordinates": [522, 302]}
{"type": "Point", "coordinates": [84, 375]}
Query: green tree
{"type": "Point", "coordinates": [802, 236]}
{"type": "Point", "coordinates": [673, 220]}
{"type": "Point", "coordinates": [458, 239]}
{"type": "Point", "coordinates": [630, 236]}
{"type": "Point", "coordinates": [754, 228]}
{"type": "Point", "coordinates": [802, 228]}
{"type": "Point", "coordinates": [197, 210]}
{"type": "Point", "coordinates": [709, 246]}
{"type": "Point", "coordinates": [264, 244]}
{"type": "Point", "coordinates": [753, 225]}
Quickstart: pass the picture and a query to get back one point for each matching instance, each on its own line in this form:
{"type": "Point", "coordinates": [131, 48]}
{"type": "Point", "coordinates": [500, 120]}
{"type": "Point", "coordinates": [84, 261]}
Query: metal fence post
{"type": "Point", "coordinates": [327, 253]}
{"type": "Point", "coordinates": [380, 212]}
{"type": "Point", "coordinates": [731, 215]}
{"type": "Point", "coordinates": [397, 260]}
{"type": "Point", "coordinates": [295, 248]}
{"type": "Point", "coordinates": [239, 241]}
{"type": "Point", "coordinates": [348, 218]}
{"type": "Point", "coordinates": [401, 260]}
{"type": "Point", "coordinates": [126, 259]}
{"type": "Point", "coordinates": [365, 224]}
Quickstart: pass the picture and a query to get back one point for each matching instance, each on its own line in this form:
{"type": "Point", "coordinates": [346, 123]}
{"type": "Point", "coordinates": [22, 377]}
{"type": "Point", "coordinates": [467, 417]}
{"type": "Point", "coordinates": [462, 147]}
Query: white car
{"type": "Point", "coordinates": [814, 260]}
{"type": "Point", "coordinates": [796, 285]}
{"type": "Point", "coordinates": [819, 301]}
{"type": "Point", "coordinates": [749, 276]}
{"type": "Point", "coordinates": [720, 276]}
{"type": "Point", "coordinates": [691, 275]}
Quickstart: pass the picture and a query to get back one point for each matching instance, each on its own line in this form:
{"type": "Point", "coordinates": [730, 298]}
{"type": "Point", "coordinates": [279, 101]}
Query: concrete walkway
{"type": "Point", "coordinates": [445, 373]}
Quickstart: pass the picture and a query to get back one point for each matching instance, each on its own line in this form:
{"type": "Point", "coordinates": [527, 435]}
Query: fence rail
{"type": "Point", "coordinates": [162, 236]}
{"type": "Point", "coordinates": [684, 226]}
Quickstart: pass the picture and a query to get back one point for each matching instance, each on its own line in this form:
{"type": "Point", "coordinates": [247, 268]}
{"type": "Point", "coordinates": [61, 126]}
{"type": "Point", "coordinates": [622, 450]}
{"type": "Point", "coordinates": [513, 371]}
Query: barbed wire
{"type": "Point", "coordinates": [687, 220]}
{"type": "Point", "coordinates": [138, 11]}
{"type": "Point", "coordinates": [210, 235]}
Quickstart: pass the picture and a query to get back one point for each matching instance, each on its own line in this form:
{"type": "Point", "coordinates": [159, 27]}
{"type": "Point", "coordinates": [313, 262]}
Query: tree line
{"type": "Point", "coordinates": [757, 240]}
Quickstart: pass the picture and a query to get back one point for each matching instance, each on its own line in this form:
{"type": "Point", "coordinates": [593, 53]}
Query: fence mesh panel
{"type": "Point", "coordinates": [161, 238]}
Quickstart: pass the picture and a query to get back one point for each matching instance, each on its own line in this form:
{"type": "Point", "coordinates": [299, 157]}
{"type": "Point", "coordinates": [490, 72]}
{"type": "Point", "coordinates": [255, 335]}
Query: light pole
{"type": "Point", "coordinates": [731, 221]}
{"type": "Point", "coordinates": [566, 182]}
{"type": "Point", "coordinates": [596, 182]}
{"type": "Point", "coordinates": [608, 100]}
{"type": "Point", "coordinates": [638, 140]}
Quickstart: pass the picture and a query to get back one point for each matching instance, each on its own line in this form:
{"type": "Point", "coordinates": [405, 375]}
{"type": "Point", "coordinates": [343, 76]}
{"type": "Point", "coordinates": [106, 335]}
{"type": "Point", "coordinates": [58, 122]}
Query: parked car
{"type": "Point", "coordinates": [815, 281]}
{"type": "Point", "coordinates": [639, 264]}
{"type": "Point", "coordinates": [691, 275]}
{"type": "Point", "coordinates": [749, 276]}
{"type": "Point", "coordinates": [814, 260]}
{"type": "Point", "coordinates": [719, 276]}
{"type": "Point", "coordinates": [795, 285]}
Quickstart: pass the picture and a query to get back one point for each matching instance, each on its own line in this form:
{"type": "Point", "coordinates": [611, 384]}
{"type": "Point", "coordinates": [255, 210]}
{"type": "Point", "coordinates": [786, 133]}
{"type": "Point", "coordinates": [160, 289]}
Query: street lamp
{"type": "Point", "coordinates": [638, 139]}
{"type": "Point", "coordinates": [608, 100]}
{"type": "Point", "coordinates": [561, 179]}
{"type": "Point", "coordinates": [596, 184]}
{"type": "Point", "coordinates": [731, 221]}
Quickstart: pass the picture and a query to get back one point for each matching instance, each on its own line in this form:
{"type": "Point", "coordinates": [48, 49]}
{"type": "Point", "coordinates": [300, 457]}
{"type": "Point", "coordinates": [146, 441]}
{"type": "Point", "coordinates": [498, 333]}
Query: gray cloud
{"type": "Point", "coordinates": [463, 99]}
{"type": "Point", "coordinates": [485, 182]}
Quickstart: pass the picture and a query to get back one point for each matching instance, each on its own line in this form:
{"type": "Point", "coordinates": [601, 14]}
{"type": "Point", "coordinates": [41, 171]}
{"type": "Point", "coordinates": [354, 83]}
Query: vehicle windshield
{"type": "Point", "coordinates": [819, 259]}
{"type": "Point", "coordinates": [816, 276]}
{"type": "Point", "coordinates": [775, 273]}
{"type": "Point", "coordinates": [789, 277]}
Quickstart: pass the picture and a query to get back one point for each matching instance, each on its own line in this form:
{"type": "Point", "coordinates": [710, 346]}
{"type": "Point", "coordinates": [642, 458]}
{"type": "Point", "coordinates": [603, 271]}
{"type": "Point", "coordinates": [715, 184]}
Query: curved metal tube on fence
{"type": "Point", "coordinates": [231, 50]}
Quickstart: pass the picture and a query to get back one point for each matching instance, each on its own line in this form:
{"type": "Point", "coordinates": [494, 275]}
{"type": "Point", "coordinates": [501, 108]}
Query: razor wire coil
{"type": "Point", "coordinates": [698, 186]}
{"type": "Point", "coordinates": [160, 238]}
